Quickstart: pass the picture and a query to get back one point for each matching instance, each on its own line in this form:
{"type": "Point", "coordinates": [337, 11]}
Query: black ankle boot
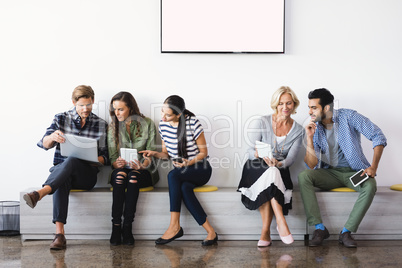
{"type": "Point", "coordinates": [115, 238]}
{"type": "Point", "coordinates": [128, 238]}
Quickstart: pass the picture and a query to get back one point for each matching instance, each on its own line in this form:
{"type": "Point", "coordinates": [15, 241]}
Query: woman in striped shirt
{"type": "Point", "coordinates": [183, 140]}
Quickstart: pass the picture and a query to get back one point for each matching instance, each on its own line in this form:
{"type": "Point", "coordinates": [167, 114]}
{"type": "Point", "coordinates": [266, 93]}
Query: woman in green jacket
{"type": "Point", "coordinates": [129, 129]}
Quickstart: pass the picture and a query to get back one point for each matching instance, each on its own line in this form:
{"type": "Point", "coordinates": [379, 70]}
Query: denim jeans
{"type": "Point", "coordinates": [126, 192]}
{"type": "Point", "coordinates": [182, 182]}
{"type": "Point", "coordinates": [73, 173]}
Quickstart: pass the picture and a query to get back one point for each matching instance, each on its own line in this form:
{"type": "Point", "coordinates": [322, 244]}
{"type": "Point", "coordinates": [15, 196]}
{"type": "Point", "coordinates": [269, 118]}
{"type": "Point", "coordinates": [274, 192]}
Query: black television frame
{"type": "Point", "coordinates": [219, 51]}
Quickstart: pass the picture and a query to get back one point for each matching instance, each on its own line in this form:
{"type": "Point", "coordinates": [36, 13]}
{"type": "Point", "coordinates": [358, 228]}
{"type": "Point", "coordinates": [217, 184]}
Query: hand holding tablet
{"type": "Point", "coordinates": [129, 155]}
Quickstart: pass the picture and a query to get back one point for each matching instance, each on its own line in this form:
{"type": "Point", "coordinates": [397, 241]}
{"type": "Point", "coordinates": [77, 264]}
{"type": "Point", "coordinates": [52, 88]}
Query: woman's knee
{"type": "Point", "coordinates": [119, 178]}
{"type": "Point", "coordinates": [133, 177]}
{"type": "Point", "coordinates": [187, 188]}
{"type": "Point", "coordinates": [173, 177]}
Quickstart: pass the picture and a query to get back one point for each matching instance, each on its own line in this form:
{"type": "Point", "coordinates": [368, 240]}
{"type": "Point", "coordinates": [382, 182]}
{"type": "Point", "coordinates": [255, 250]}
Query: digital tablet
{"type": "Point", "coordinates": [129, 155]}
{"type": "Point", "coordinates": [263, 149]}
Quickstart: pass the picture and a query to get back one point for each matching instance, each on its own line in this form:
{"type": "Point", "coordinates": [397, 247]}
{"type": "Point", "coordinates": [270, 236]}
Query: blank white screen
{"type": "Point", "coordinates": [222, 25]}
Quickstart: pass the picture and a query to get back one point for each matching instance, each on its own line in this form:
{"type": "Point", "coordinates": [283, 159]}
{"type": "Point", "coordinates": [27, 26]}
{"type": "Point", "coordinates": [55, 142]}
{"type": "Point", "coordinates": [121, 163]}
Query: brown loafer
{"type": "Point", "coordinates": [59, 242]}
{"type": "Point", "coordinates": [319, 236]}
{"type": "Point", "coordinates": [31, 198]}
{"type": "Point", "coordinates": [347, 240]}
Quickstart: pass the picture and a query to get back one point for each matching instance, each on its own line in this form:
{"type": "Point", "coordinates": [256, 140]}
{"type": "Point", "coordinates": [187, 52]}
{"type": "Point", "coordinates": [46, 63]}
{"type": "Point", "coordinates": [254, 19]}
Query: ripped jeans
{"type": "Point", "coordinates": [126, 187]}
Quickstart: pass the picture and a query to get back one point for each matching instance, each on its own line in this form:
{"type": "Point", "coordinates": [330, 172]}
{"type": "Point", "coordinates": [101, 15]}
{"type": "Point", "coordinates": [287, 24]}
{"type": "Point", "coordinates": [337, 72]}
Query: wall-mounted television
{"type": "Point", "coordinates": [222, 26]}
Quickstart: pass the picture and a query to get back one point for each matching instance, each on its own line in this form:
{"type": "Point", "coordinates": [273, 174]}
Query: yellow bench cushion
{"type": "Point", "coordinates": [396, 187]}
{"type": "Point", "coordinates": [206, 188]}
{"type": "Point", "coordinates": [342, 189]}
{"type": "Point", "coordinates": [145, 189]}
{"type": "Point", "coordinates": [77, 190]}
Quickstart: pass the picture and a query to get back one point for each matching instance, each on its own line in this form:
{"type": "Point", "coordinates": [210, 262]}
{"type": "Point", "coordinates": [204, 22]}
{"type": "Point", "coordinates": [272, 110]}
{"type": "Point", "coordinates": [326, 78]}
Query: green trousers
{"type": "Point", "coordinates": [327, 179]}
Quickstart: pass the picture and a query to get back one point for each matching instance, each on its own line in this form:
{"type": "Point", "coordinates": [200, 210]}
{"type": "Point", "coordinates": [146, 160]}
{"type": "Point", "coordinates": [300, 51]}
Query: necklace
{"type": "Point", "coordinates": [276, 145]}
{"type": "Point", "coordinates": [276, 142]}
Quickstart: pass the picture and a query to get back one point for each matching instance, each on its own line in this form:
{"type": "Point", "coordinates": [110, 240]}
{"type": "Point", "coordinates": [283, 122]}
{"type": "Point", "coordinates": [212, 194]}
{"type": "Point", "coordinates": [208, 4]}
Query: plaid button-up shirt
{"type": "Point", "coordinates": [70, 123]}
{"type": "Point", "coordinates": [349, 125]}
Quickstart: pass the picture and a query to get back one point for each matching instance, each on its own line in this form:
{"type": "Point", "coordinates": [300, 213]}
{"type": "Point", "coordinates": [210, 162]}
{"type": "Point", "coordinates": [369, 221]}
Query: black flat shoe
{"type": "Point", "coordinates": [210, 242]}
{"type": "Point", "coordinates": [161, 241]}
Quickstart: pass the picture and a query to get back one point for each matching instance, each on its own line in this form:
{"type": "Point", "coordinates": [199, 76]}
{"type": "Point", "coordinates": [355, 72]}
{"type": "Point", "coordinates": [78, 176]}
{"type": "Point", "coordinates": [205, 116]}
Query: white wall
{"type": "Point", "coordinates": [48, 47]}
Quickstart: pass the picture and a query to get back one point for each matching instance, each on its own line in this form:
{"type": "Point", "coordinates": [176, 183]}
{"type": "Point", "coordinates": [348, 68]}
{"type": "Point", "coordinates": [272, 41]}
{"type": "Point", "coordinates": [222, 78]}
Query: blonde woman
{"type": "Point", "coordinates": [265, 183]}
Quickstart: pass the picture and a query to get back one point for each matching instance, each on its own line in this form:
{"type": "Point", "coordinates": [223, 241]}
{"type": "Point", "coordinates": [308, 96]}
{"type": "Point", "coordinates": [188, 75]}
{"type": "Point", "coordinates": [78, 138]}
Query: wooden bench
{"type": "Point", "coordinates": [89, 215]}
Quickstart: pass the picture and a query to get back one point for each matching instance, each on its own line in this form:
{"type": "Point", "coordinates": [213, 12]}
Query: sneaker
{"type": "Point", "coordinates": [318, 236]}
{"type": "Point", "coordinates": [347, 240]}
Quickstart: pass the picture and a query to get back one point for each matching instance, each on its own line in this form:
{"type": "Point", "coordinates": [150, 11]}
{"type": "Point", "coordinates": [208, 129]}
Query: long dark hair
{"type": "Point", "coordinates": [132, 105]}
{"type": "Point", "coordinates": [178, 106]}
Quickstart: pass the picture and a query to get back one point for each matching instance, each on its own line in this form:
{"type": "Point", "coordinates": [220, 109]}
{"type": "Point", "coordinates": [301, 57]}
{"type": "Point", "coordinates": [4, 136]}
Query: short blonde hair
{"type": "Point", "coordinates": [278, 94]}
{"type": "Point", "coordinates": [83, 91]}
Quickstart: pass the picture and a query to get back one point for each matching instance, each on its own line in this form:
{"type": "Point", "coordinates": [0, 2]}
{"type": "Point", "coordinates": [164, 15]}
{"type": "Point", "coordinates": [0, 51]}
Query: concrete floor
{"type": "Point", "coordinates": [98, 253]}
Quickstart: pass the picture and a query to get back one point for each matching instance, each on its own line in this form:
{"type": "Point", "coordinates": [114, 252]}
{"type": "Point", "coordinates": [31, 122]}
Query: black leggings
{"type": "Point", "coordinates": [126, 187]}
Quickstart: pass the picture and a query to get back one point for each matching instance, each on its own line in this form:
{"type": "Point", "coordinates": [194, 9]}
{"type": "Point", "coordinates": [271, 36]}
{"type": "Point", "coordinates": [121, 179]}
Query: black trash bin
{"type": "Point", "coordinates": [9, 218]}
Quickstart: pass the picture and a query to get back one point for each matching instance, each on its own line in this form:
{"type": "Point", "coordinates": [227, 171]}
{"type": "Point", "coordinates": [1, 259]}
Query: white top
{"type": "Point", "coordinates": [281, 138]}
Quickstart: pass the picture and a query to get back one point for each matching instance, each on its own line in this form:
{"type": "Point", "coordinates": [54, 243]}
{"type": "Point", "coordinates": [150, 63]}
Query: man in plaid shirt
{"type": "Point", "coordinates": [333, 154]}
{"type": "Point", "coordinates": [69, 172]}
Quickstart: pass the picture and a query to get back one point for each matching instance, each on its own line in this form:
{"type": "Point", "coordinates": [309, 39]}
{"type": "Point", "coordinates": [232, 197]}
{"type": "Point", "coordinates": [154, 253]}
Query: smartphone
{"type": "Point", "coordinates": [357, 179]}
{"type": "Point", "coordinates": [178, 159]}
